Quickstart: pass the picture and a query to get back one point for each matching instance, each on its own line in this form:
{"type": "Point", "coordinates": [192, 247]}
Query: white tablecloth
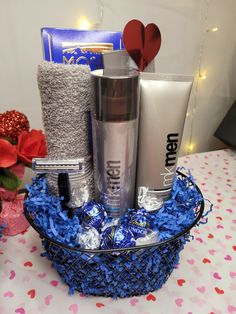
{"type": "Point", "coordinates": [204, 283]}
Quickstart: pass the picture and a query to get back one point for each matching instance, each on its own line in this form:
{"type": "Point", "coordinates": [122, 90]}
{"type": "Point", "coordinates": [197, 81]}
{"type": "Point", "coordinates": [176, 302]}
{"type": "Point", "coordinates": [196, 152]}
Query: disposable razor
{"type": "Point", "coordinates": [62, 168]}
{"type": "Point", "coordinates": [45, 165]}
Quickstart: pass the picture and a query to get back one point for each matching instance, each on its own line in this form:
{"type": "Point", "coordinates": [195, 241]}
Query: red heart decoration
{"type": "Point", "coordinates": [28, 263]}
{"type": "Point", "coordinates": [210, 236]}
{"type": "Point", "coordinates": [150, 297]}
{"type": "Point", "coordinates": [142, 43]}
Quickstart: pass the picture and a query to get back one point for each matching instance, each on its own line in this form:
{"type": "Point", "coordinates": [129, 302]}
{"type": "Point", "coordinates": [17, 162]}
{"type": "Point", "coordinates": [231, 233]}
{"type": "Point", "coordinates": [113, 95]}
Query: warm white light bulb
{"type": "Point", "coordinates": [83, 23]}
{"type": "Point", "coordinates": [213, 29]}
{"type": "Point", "coordinates": [202, 76]}
{"type": "Point", "coordinates": [190, 147]}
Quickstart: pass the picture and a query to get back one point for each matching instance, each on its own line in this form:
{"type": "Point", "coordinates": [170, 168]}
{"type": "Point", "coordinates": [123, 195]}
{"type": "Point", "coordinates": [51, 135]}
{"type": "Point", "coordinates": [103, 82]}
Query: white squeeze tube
{"type": "Point", "coordinates": [163, 105]}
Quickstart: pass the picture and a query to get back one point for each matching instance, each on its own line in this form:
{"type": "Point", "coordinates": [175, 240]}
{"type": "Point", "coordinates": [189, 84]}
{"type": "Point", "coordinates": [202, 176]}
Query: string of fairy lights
{"type": "Point", "coordinates": [84, 23]}
{"type": "Point", "coordinates": [200, 74]}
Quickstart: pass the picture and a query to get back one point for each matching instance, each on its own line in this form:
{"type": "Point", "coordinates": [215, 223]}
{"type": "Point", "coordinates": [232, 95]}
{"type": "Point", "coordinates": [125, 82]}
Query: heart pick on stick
{"type": "Point", "coordinates": [142, 43]}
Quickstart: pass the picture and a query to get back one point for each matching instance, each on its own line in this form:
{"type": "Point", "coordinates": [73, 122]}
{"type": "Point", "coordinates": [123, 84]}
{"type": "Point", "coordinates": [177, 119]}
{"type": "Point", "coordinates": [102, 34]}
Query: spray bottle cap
{"type": "Point", "coordinates": [117, 94]}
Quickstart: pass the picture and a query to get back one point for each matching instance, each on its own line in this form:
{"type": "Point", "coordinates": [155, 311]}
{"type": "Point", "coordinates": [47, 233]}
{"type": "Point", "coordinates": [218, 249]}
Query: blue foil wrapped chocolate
{"type": "Point", "coordinates": [115, 237]}
{"type": "Point", "coordinates": [140, 222]}
{"type": "Point", "coordinates": [93, 214]}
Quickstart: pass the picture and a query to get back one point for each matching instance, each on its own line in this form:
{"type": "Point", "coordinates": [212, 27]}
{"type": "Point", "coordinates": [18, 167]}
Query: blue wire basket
{"type": "Point", "coordinates": [116, 273]}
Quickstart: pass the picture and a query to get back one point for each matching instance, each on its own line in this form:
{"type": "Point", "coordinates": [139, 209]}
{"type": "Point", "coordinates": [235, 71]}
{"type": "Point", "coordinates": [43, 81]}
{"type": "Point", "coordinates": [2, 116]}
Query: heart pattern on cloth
{"type": "Point", "coordinates": [20, 310]}
{"type": "Point", "coordinates": [180, 282]}
{"type": "Point", "coordinates": [191, 261]}
{"type": "Point", "coordinates": [219, 291]}
{"type": "Point", "coordinates": [206, 261]}
{"type": "Point", "coordinates": [150, 297]}
{"type": "Point", "coordinates": [133, 301]}
{"type": "Point", "coordinates": [12, 274]}
{"type": "Point", "coordinates": [42, 275]}
{"type": "Point", "coordinates": [228, 257]}
{"type": "Point", "coordinates": [141, 42]}
{"type": "Point", "coordinates": [33, 249]}
{"type": "Point", "coordinates": [231, 309]}
{"type": "Point", "coordinates": [48, 299]}
{"type": "Point", "coordinates": [199, 240]}
{"type": "Point", "coordinates": [31, 293]}
{"type": "Point", "coordinates": [22, 241]}
{"type": "Point", "coordinates": [179, 302]}
{"type": "Point", "coordinates": [98, 304]}
{"type": "Point", "coordinates": [216, 276]}
{"type": "Point", "coordinates": [28, 264]}
{"type": "Point", "coordinates": [54, 283]}
{"type": "Point", "coordinates": [8, 294]}
{"type": "Point", "coordinates": [7, 261]}
{"type": "Point", "coordinates": [201, 289]}
{"type": "Point", "coordinates": [73, 308]}
{"type": "Point", "coordinates": [212, 251]}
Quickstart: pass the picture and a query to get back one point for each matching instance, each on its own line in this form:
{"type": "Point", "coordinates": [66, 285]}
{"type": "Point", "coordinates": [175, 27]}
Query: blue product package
{"type": "Point", "coordinates": [73, 46]}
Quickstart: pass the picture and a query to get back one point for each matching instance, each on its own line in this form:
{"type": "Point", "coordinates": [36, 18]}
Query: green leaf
{"type": "Point", "coordinates": [9, 180]}
{"type": "Point", "coordinates": [13, 142]}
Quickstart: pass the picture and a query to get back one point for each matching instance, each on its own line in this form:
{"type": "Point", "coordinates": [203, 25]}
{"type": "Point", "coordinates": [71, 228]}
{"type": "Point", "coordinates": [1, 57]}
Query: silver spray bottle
{"type": "Point", "coordinates": [115, 135]}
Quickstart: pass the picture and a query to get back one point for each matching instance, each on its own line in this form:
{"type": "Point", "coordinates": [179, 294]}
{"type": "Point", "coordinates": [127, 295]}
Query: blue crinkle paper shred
{"type": "Point", "coordinates": [114, 274]}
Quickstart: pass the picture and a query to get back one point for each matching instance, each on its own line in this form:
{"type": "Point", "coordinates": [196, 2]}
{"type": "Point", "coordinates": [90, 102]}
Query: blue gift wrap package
{"type": "Point", "coordinates": [73, 46]}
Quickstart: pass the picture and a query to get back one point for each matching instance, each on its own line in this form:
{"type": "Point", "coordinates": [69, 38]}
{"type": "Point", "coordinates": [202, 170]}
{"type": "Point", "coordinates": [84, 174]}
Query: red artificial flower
{"type": "Point", "coordinates": [31, 145]}
{"type": "Point", "coordinates": [8, 155]}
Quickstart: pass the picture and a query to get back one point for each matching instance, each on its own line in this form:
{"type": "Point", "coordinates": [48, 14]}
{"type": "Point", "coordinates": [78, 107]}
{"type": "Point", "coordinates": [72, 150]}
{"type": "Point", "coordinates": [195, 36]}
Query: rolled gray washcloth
{"type": "Point", "coordinates": [67, 94]}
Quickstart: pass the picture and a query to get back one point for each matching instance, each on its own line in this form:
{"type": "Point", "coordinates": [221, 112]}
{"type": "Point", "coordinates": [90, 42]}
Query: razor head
{"type": "Point", "coordinates": [45, 165]}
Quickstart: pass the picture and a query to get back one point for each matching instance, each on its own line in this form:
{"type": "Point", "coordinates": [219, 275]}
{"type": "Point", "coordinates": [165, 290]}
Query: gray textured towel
{"type": "Point", "coordinates": [66, 95]}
